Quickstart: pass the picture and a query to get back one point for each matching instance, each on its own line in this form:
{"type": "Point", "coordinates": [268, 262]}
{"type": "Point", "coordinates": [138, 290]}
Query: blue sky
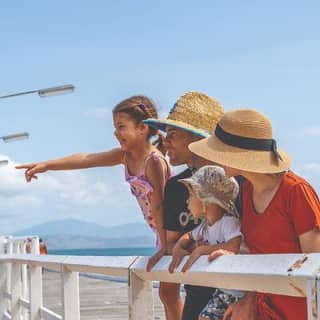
{"type": "Point", "coordinates": [257, 54]}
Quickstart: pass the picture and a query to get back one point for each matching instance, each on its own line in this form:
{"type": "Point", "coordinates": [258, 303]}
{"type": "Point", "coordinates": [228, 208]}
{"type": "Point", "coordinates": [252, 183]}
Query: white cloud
{"type": "Point", "coordinates": [312, 131]}
{"type": "Point", "coordinates": [101, 196]}
{"type": "Point", "coordinates": [20, 201]}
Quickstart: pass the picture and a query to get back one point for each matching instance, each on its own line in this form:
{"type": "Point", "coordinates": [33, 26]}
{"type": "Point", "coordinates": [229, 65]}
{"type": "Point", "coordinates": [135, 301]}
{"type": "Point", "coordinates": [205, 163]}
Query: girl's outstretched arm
{"type": "Point", "coordinates": [75, 161]}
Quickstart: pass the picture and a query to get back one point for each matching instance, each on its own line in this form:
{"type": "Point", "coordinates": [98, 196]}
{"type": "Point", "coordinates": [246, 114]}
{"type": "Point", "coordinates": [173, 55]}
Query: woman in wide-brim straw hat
{"type": "Point", "coordinates": [281, 211]}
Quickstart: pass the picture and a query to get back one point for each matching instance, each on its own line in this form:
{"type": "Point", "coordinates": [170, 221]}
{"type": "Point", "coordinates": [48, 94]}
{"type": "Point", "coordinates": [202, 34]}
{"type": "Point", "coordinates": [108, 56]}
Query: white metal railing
{"type": "Point", "coordinates": [23, 244]}
{"type": "Point", "coordinates": [264, 273]}
{"type": "Point", "coordinates": [16, 245]}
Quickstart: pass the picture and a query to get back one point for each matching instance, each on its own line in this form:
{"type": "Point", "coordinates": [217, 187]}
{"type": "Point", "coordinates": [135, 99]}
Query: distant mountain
{"type": "Point", "coordinates": [88, 229]}
{"type": "Point", "coordinates": [79, 242]}
{"type": "Point", "coordinates": [74, 234]}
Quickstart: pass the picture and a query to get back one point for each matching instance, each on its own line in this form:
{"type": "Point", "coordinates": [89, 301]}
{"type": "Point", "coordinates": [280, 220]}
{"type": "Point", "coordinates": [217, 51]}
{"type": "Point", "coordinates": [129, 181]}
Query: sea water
{"type": "Point", "coordinates": [105, 252]}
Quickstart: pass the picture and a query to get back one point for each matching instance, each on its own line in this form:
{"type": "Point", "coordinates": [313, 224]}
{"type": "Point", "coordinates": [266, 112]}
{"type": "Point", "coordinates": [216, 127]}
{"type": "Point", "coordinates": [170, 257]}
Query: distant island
{"type": "Point", "coordinates": [77, 234]}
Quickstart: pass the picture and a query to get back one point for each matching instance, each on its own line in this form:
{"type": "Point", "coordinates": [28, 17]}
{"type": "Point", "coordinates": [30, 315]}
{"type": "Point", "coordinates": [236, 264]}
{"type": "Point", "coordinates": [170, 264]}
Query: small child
{"type": "Point", "coordinates": [146, 169]}
{"type": "Point", "coordinates": [211, 197]}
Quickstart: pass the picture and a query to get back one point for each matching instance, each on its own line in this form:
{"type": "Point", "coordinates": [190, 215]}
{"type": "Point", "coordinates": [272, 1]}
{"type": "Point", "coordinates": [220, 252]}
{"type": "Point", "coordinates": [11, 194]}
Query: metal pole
{"type": "Point", "coordinates": [18, 94]}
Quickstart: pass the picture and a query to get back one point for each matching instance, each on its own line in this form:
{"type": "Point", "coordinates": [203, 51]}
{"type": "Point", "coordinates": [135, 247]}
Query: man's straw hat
{"type": "Point", "coordinates": [195, 112]}
{"type": "Point", "coordinates": [243, 140]}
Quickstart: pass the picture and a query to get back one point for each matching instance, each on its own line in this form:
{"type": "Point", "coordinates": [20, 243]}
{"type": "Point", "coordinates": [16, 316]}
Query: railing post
{"type": "Point", "coordinates": [2, 242]}
{"type": "Point", "coordinates": [318, 296]}
{"type": "Point", "coordinates": [3, 280]}
{"type": "Point", "coordinates": [140, 298]}
{"type": "Point", "coordinates": [16, 291]}
{"type": "Point", "coordinates": [8, 267]}
{"type": "Point", "coordinates": [312, 299]}
{"type": "Point", "coordinates": [35, 247]}
{"type": "Point", "coordinates": [24, 274]}
{"type": "Point", "coordinates": [71, 296]}
{"type": "Point", "coordinates": [35, 292]}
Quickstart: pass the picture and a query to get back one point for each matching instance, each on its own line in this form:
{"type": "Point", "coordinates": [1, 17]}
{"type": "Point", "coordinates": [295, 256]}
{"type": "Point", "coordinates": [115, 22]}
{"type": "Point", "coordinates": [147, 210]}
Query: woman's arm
{"type": "Point", "coordinates": [304, 214]}
{"type": "Point", "coordinates": [244, 309]}
{"type": "Point", "coordinates": [75, 161]}
{"type": "Point", "coordinates": [310, 241]}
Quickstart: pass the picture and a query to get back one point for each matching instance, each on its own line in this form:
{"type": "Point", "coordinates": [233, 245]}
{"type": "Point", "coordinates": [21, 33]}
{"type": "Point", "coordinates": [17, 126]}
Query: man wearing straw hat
{"type": "Point", "coordinates": [192, 118]}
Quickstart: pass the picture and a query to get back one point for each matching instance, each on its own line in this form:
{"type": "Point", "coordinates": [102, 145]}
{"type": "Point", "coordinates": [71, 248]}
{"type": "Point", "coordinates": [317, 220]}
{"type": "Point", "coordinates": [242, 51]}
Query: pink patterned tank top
{"type": "Point", "coordinates": [142, 190]}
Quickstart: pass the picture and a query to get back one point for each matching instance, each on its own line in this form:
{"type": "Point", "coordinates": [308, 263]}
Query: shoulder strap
{"type": "Point", "coordinates": [153, 154]}
{"type": "Point", "coordinates": [157, 156]}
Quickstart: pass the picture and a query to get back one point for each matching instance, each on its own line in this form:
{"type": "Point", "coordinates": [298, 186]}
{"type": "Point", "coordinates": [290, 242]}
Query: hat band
{"type": "Point", "coordinates": [247, 143]}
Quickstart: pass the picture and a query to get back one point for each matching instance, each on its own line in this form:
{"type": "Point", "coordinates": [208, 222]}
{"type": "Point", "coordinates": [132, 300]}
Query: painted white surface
{"type": "Point", "coordinates": [140, 298]}
{"type": "Point", "coordinates": [71, 297]}
{"type": "Point", "coordinates": [36, 298]}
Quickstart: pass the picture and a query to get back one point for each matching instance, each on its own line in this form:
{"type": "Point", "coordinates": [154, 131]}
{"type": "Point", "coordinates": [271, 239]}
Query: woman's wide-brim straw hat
{"type": "Point", "coordinates": [194, 112]}
{"type": "Point", "coordinates": [243, 140]}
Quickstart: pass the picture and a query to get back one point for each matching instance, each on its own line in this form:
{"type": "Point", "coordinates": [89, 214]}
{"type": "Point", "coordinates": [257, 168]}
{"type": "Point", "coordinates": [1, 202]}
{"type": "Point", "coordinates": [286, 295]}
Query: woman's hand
{"type": "Point", "coordinates": [32, 170]}
{"type": "Point", "coordinates": [244, 309]}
